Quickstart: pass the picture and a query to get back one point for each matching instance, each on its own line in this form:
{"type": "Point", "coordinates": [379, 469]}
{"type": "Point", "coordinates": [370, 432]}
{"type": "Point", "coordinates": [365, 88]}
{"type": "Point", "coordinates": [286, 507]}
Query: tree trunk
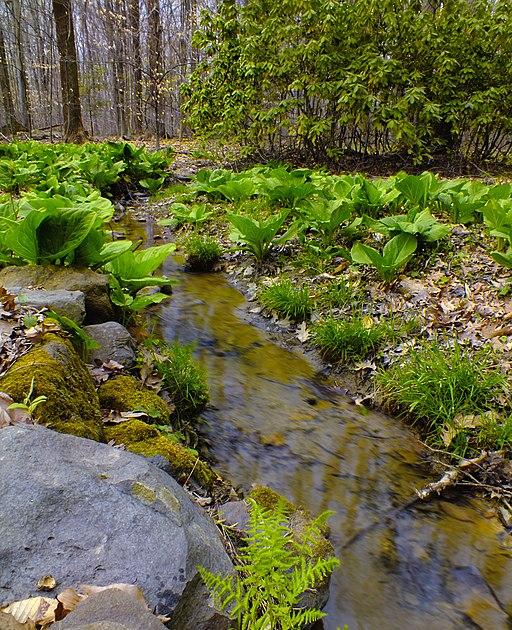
{"type": "Point", "coordinates": [73, 126]}
{"type": "Point", "coordinates": [155, 63]}
{"type": "Point", "coordinates": [21, 71]}
{"type": "Point", "coordinates": [134, 16]}
{"type": "Point", "coordinates": [11, 125]}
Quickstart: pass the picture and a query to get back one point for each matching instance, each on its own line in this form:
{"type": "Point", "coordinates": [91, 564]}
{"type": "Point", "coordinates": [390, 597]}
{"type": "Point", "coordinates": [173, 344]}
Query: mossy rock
{"type": "Point", "coordinates": [125, 393]}
{"type": "Point", "coordinates": [72, 405]}
{"type": "Point", "coordinates": [143, 439]}
{"type": "Point", "coordinates": [298, 518]}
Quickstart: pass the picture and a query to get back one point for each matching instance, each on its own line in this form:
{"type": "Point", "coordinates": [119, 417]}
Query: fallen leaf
{"type": "Point", "coordinates": [40, 610]}
{"type": "Point", "coordinates": [130, 589]}
{"type": "Point", "coordinates": [69, 599]}
{"type": "Point", "coordinates": [302, 333]}
{"type": "Point", "coordinates": [46, 583]}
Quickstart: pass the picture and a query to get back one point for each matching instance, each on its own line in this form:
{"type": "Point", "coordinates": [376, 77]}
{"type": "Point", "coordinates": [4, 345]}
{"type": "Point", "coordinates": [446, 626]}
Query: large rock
{"type": "Point", "coordinates": [53, 277]}
{"type": "Point", "coordinates": [112, 606]}
{"type": "Point", "coordinates": [85, 512]}
{"type": "Point", "coordinates": [53, 369]}
{"type": "Point", "coordinates": [115, 343]}
{"type": "Point", "coordinates": [71, 304]}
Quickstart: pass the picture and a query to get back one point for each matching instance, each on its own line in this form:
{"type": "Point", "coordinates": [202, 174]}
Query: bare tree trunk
{"type": "Point", "coordinates": [21, 71]}
{"type": "Point", "coordinates": [134, 16]}
{"type": "Point", "coordinates": [155, 63]}
{"type": "Point", "coordinates": [73, 126]}
{"type": "Point", "coordinates": [12, 125]}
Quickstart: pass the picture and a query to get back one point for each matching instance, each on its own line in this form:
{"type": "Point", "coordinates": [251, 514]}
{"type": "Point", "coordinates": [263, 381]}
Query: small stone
{"type": "Point", "coordinates": [69, 304]}
{"type": "Point", "coordinates": [115, 342]}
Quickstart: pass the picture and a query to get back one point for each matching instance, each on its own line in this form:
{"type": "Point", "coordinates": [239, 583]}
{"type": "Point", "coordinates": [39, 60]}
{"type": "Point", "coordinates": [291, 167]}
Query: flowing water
{"type": "Point", "coordinates": [439, 565]}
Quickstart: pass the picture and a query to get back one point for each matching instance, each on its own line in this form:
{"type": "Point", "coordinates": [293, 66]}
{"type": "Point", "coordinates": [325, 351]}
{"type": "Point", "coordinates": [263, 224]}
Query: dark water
{"type": "Point", "coordinates": [438, 565]}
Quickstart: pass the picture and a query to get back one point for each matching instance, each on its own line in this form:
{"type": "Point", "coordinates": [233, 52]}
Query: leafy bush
{"type": "Point", "coordinates": [274, 570]}
{"type": "Point", "coordinates": [350, 340]}
{"type": "Point", "coordinates": [259, 236]}
{"type": "Point", "coordinates": [182, 214]}
{"type": "Point", "coordinates": [433, 385]}
{"type": "Point", "coordinates": [182, 375]}
{"type": "Point", "coordinates": [201, 252]}
{"type": "Point", "coordinates": [287, 300]}
{"type": "Point", "coordinates": [395, 255]}
{"type": "Point", "coordinates": [355, 77]}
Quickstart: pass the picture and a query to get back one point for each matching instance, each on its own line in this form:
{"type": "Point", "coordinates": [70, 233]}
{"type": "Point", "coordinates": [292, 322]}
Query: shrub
{"type": "Point", "coordinates": [201, 252]}
{"type": "Point", "coordinates": [355, 77]}
{"type": "Point", "coordinates": [350, 340]}
{"type": "Point", "coordinates": [182, 375]}
{"type": "Point", "coordinates": [275, 570]}
{"type": "Point", "coordinates": [287, 300]}
{"type": "Point", "coordinates": [433, 385]}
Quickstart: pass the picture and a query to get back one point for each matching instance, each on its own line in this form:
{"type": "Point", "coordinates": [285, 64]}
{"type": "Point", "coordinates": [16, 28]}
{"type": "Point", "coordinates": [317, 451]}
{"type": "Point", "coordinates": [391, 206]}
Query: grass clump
{"type": "Point", "coordinates": [351, 339]}
{"type": "Point", "coordinates": [434, 385]}
{"type": "Point", "coordinates": [287, 300]}
{"type": "Point", "coordinates": [339, 294]}
{"type": "Point", "coordinates": [201, 252]}
{"type": "Point", "coordinates": [182, 375]}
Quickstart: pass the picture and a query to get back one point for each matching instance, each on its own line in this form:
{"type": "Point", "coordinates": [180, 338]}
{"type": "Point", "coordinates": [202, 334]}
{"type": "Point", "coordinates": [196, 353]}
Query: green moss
{"type": "Point", "coordinates": [268, 499]}
{"type": "Point", "coordinates": [125, 393]}
{"type": "Point", "coordinates": [131, 431]}
{"type": "Point", "coordinates": [143, 493]}
{"type": "Point", "coordinates": [144, 439]}
{"type": "Point", "coordinates": [184, 462]}
{"type": "Point", "coordinates": [81, 429]}
{"type": "Point", "coordinates": [59, 374]}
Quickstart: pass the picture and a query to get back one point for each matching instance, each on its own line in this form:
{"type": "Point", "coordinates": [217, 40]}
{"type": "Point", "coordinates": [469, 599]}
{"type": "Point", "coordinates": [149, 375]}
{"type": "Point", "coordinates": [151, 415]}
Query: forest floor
{"type": "Point", "coordinates": [451, 293]}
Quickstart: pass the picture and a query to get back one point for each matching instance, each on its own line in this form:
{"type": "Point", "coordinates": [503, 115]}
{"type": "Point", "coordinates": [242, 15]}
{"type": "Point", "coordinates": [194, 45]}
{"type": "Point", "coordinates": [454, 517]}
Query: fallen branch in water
{"type": "Point", "coordinates": [490, 472]}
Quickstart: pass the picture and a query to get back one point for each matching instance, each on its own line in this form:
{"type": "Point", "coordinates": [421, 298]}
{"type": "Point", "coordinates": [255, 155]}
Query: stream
{"type": "Point", "coordinates": [437, 565]}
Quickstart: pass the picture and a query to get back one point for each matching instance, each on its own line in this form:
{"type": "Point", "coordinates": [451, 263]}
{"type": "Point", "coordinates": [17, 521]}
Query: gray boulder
{"type": "Point", "coordinates": [115, 343]}
{"type": "Point", "coordinates": [87, 513]}
{"type": "Point", "coordinates": [54, 277]}
{"type": "Point", "coordinates": [71, 304]}
{"type": "Point", "coordinates": [114, 607]}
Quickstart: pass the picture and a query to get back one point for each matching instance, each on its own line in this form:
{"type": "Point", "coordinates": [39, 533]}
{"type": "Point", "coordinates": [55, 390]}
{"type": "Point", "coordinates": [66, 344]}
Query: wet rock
{"type": "Point", "coordinates": [53, 277]}
{"type": "Point", "coordinates": [145, 439]}
{"type": "Point", "coordinates": [57, 372]}
{"type": "Point", "coordinates": [112, 606]}
{"type": "Point", "coordinates": [115, 343]}
{"type": "Point", "coordinates": [70, 304]}
{"type": "Point", "coordinates": [93, 514]}
{"type": "Point", "coordinates": [235, 514]}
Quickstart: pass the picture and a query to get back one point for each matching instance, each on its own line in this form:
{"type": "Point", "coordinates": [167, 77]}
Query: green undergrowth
{"type": "Point", "coordinates": [444, 389]}
{"type": "Point", "coordinates": [287, 300]}
{"type": "Point", "coordinates": [182, 375]}
{"type": "Point", "coordinates": [201, 252]}
{"type": "Point", "coordinates": [275, 568]}
{"type": "Point", "coordinates": [354, 338]}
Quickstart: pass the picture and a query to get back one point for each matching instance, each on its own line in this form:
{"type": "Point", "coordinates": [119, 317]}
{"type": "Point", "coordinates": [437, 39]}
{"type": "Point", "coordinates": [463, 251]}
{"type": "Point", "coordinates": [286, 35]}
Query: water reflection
{"type": "Point", "coordinates": [440, 565]}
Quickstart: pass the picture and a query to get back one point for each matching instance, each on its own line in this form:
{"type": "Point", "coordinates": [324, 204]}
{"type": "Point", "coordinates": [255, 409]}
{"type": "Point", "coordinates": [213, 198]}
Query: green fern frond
{"type": "Point", "coordinates": [275, 570]}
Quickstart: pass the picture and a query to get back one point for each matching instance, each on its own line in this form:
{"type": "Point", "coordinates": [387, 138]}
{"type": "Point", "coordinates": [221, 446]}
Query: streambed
{"type": "Point", "coordinates": [438, 565]}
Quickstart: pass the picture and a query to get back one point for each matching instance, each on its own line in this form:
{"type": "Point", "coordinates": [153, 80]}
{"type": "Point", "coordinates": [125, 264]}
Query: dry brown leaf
{"type": "Point", "coordinates": [302, 333]}
{"type": "Point", "coordinates": [46, 583]}
{"type": "Point", "coordinates": [40, 610]}
{"type": "Point", "coordinates": [69, 599]}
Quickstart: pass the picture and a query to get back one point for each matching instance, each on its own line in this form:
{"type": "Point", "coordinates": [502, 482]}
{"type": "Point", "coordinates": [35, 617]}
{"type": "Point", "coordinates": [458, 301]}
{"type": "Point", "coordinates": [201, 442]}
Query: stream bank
{"type": "Point", "coordinates": [443, 564]}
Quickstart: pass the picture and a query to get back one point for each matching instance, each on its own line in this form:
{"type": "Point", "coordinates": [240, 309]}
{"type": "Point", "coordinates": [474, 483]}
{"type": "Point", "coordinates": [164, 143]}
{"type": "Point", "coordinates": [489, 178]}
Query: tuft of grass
{"type": "Point", "coordinates": [433, 385]}
{"type": "Point", "coordinates": [339, 294]}
{"type": "Point", "coordinates": [202, 252]}
{"type": "Point", "coordinates": [182, 375]}
{"type": "Point", "coordinates": [495, 433]}
{"type": "Point", "coordinates": [351, 339]}
{"type": "Point", "coordinates": [287, 300]}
